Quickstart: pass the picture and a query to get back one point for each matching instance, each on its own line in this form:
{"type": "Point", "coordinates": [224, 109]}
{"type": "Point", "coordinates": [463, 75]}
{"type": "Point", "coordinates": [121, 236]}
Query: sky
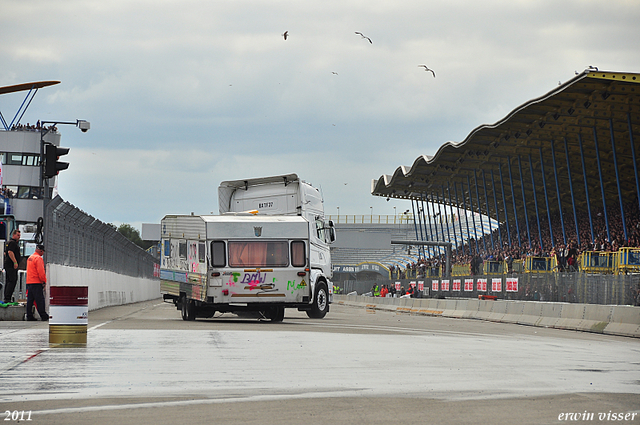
{"type": "Point", "coordinates": [182, 95]}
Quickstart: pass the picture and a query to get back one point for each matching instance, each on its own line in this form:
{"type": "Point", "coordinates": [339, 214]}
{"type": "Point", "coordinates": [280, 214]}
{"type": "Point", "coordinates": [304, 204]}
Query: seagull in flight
{"type": "Point", "coordinates": [364, 36]}
{"type": "Point", "coordinates": [286, 34]}
{"type": "Point", "coordinates": [426, 68]}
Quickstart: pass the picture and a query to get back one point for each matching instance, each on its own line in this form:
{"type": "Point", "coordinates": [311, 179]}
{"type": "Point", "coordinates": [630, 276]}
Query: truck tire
{"type": "Point", "coordinates": [188, 309]}
{"type": "Point", "coordinates": [274, 314]}
{"type": "Point", "coordinates": [278, 315]}
{"type": "Point", "coordinates": [320, 305]}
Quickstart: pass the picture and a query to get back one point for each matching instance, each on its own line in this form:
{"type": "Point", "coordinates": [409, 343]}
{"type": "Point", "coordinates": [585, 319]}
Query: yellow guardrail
{"type": "Point", "coordinates": [489, 267]}
{"type": "Point", "coordinates": [434, 272]}
{"type": "Point", "coordinates": [493, 267]}
{"type": "Point", "coordinates": [627, 260]}
{"type": "Point", "coordinates": [537, 265]}
{"type": "Point", "coordinates": [517, 266]}
{"type": "Point", "coordinates": [461, 270]}
{"type": "Point", "coordinates": [598, 262]}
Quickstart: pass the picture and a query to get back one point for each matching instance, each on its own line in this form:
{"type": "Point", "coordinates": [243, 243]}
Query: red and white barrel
{"type": "Point", "coordinates": [68, 315]}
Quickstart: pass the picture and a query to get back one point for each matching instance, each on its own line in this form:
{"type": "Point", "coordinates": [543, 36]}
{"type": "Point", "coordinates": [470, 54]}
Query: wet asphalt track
{"type": "Point", "coordinates": [143, 364]}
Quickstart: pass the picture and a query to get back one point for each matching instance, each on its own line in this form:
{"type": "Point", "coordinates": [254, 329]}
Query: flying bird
{"type": "Point", "coordinates": [364, 36]}
{"type": "Point", "coordinates": [286, 34]}
{"type": "Point", "coordinates": [428, 70]}
{"type": "Point", "coordinates": [334, 73]}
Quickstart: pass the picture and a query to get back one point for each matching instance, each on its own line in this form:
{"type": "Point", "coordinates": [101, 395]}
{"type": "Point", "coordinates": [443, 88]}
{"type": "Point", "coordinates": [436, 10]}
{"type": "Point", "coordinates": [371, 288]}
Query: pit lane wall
{"type": "Point", "coordinates": [106, 288]}
{"type": "Point", "coordinates": [81, 250]}
{"type": "Point", "coordinates": [606, 319]}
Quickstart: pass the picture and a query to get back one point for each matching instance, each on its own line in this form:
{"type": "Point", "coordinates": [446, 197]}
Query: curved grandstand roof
{"type": "Point", "coordinates": [27, 86]}
{"type": "Point", "coordinates": [31, 89]}
{"type": "Point", "coordinates": [593, 119]}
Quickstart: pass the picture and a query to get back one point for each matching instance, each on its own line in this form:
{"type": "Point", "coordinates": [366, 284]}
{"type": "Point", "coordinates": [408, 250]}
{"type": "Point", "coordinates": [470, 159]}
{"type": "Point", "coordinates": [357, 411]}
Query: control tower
{"type": "Point", "coordinates": [29, 165]}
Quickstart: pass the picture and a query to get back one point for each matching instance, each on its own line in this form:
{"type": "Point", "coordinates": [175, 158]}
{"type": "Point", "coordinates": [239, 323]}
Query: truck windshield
{"type": "Point", "coordinates": [258, 254]}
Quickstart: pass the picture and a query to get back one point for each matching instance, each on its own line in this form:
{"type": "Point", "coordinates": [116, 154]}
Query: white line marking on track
{"type": "Point", "coordinates": [274, 397]}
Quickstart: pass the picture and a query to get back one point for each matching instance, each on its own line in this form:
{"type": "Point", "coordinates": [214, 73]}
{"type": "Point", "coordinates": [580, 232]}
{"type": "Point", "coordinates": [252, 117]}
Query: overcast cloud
{"type": "Point", "coordinates": [182, 95]}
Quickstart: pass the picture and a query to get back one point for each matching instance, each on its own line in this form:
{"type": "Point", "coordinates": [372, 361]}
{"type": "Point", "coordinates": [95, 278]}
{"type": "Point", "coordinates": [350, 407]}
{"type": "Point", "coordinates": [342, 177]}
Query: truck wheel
{"type": "Point", "coordinates": [274, 314]}
{"type": "Point", "coordinates": [278, 315]}
{"type": "Point", "coordinates": [320, 305]}
{"type": "Point", "coordinates": [188, 309]}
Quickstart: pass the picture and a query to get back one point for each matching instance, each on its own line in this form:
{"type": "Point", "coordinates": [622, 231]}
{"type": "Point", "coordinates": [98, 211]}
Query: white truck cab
{"type": "Point", "coordinates": [267, 250]}
{"type": "Point", "coordinates": [285, 195]}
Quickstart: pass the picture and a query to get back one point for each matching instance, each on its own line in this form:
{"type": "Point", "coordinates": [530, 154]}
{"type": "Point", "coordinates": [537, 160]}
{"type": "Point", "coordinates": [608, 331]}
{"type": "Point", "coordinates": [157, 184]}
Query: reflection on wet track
{"type": "Point", "coordinates": [228, 365]}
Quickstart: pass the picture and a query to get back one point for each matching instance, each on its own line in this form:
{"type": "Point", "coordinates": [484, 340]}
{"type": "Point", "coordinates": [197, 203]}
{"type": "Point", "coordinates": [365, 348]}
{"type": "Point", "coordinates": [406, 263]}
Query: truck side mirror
{"type": "Point", "coordinates": [332, 232]}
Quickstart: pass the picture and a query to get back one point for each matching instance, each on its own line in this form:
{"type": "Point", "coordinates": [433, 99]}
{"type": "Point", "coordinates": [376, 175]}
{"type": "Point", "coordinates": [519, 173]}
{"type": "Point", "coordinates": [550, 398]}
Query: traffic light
{"type": "Point", "coordinates": [51, 164]}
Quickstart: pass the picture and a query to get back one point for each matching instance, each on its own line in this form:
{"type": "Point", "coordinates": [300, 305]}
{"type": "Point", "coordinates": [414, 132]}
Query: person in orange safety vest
{"type": "Point", "coordinates": [36, 282]}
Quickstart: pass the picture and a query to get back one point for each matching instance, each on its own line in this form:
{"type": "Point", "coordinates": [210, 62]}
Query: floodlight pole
{"type": "Point", "coordinates": [447, 245]}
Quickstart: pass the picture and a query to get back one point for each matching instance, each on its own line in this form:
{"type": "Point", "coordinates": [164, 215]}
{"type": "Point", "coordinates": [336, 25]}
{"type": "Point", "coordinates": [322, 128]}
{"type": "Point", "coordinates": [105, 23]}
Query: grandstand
{"type": "Point", "coordinates": [557, 169]}
{"type": "Point", "coordinates": [559, 178]}
{"type": "Point", "coordinates": [367, 239]}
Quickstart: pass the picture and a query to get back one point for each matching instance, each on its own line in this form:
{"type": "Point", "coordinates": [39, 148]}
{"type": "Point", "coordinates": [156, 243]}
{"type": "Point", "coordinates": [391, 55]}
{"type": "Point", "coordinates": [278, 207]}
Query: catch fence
{"type": "Point", "coordinates": [573, 287]}
{"type": "Point", "coordinates": [74, 238]}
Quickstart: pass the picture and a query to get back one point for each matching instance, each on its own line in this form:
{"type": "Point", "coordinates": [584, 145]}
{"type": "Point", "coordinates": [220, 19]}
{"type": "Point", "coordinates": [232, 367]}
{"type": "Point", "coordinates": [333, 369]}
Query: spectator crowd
{"type": "Point", "coordinates": [30, 127]}
{"type": "Point", "coordinates": [497, 246]}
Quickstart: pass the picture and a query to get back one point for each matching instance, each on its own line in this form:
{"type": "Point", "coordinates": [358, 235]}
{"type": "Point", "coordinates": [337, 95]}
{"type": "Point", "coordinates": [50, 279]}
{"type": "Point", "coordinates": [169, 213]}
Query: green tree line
{"type": "Point", "coordinates": [131, 233]}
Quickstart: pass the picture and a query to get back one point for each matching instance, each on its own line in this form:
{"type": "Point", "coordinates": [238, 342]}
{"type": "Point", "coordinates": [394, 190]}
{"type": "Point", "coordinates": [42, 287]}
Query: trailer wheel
{"type": "Point", "coordinates": [320, 305]}
{"type": "Point", "coordinates": [188, 309]}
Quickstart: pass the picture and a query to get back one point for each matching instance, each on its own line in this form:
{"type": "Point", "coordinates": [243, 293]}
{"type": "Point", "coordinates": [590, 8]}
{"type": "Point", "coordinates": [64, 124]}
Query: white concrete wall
{"type": "Point", "coordinates": [609, 319]}
{"type": "Point", "coordinates": [105, 288]}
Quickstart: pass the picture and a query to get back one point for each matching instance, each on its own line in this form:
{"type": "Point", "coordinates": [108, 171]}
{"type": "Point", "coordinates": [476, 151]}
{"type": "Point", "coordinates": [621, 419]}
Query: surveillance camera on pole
{"type": "Point", "coordinates": [83, 125]}
{"type": "Point", "coordinates": [49, 164]}
{"type": "Point", "coordinates": [51, 153]}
